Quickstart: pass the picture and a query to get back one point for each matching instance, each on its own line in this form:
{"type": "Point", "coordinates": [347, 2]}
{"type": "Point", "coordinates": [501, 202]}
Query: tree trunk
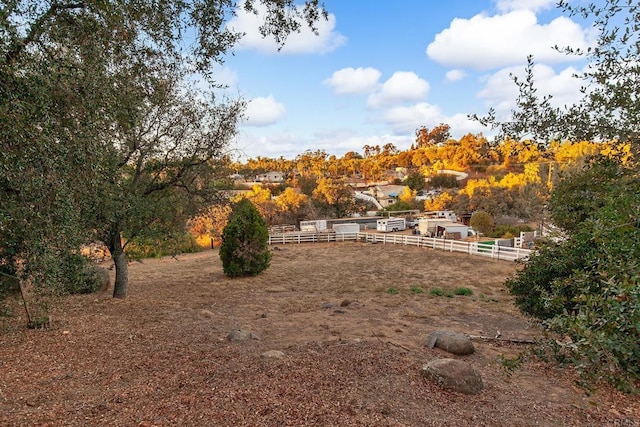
{"type": "Point", "coordinates": [120, 261]}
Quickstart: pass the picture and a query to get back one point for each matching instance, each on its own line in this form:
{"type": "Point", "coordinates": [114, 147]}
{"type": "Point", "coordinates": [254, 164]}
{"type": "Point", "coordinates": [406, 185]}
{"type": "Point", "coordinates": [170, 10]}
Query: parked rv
{"type": "Point", "coordinates": [391, 224]}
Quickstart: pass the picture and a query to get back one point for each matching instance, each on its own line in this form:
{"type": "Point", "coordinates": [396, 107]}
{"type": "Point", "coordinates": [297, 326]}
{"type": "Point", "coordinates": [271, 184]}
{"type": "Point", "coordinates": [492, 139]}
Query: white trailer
{"type": "Point", "coordinates": [350, 227]}
{"type": "Point", "coordinates": [391, 224]}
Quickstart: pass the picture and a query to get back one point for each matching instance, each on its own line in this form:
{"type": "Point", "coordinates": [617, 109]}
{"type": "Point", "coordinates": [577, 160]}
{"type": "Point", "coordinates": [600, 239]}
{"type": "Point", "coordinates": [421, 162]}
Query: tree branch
{"type": "Point", "coordinates": [37, 29]}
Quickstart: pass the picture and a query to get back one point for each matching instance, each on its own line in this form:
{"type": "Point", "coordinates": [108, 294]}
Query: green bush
{"type": "Point", "coordinates": [482, 222]}
{"type": "Point", "coordinates": [245, 242]}
{"type": "Point", "coordinates": [417, 289]}
{"type": "Point", "coordinates": [587, 286]}
{"type": "Point", "coordinates": [78, 276]}
{"type": "Point", "coordinates": [393, 291]}
{"type": "Point", "coordinates": [504, 230]}
{"type": "Point", "coordinates": [443, 181]}
{"type": "Point", "coordinates": [437, 292]}
{"type": "Point", "coordinates": [463, 291]}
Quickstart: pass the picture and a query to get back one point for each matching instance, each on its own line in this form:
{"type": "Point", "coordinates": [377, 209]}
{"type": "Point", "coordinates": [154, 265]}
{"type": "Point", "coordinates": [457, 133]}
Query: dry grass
{"type": "Point", "coordinates": [353, 351]}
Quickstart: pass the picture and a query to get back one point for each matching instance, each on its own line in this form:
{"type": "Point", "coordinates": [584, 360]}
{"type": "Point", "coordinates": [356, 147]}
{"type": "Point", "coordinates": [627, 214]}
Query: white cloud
{"type": "Point", "coordinates": [500, 92]}
{"type": "Point", "coordinates": [264, 111]}
{"type": "Point", "coordinates": [338, 141]}
{"type": "Point", "coordinates": [224, 76]}
{"type": "Point", "coordinates": [354, 80]}
{"type": "Point", "coordinates": [406, 120]}
{"type": "Point", "coordinates": [484, 42]}
{"type": "Point", "coordinates": [402, 86]}
{"type": "Point", "coordinates": [455, 75]}
{"type": "Point", "coordinates": [303, 42]}
{"type": "Point", "coordinates": [534, 5]}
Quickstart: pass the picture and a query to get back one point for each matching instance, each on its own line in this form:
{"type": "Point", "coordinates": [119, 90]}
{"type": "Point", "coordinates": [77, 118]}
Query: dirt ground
{"type": "Point", "coordinates": [353, 351]}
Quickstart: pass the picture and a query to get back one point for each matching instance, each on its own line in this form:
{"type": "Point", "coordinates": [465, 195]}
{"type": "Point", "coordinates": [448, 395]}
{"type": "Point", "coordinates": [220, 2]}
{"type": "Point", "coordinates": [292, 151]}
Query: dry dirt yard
{"type": "Point", "coordinates": [353, 352]}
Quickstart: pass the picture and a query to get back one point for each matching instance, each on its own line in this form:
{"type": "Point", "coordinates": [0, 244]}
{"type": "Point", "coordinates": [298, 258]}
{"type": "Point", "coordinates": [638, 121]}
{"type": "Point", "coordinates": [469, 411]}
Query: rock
{"type": "Point", "coordinates": [241, 335]}
{"type": "Point", "coordinates": [273, 354]}
{"type": "Point", "coordinates": [206, 313]}
{"type": "Point", "coordinates": [345, 303]}
{"type": "Point", "coordinates": [103, 276]}
{"type": "Point", "coordinates": [327, 305]}
{"type": "Point", "coordinates": [452, 342]}
{"type": "Point", "coordinates": [455, 375]}
{"type": "Point", "coordinates": [340, 311]}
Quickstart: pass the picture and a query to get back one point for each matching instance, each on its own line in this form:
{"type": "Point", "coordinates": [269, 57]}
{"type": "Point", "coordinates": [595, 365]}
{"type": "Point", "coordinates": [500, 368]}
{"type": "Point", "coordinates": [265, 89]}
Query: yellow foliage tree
{"type": "Point", "coordinates": [290, 199]}
{"type": "Point", "coordinates": [261, 198]}
{"type": "Point", "coordinates": [408, 195]}
{"type": "Point", "coordinates": [210, 224]}
{"type": "Point", "coordinates": [439, 203]}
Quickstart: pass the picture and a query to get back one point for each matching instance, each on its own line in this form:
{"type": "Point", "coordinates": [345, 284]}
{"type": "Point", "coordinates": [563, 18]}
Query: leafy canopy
{"type": "Point", "coordinates": [101, 135]}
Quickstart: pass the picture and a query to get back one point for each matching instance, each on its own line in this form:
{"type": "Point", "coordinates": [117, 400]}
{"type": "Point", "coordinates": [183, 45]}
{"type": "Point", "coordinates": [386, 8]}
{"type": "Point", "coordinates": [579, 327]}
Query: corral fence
{"type": "Point", "coordinates": [489, 250]}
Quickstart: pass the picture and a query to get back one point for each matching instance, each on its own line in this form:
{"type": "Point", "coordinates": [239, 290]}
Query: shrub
{"type": "Point", "coordinates": [586, 288]}
{"type": "Point", "coordinates": [393, 291]}
{"type": "Point", "coordinates": [436, 292]}
{"type": "Point", "coordinates": [417, 289]}
{"type": "Point", "coordinates": [463, 291]}
{"type": "Point", "coordinates": [508, 231]}
{"type": "Point", "coordinates": [443, 181]}
{"type": "Point", "coordinates": [482, 221]}
{"type": "Point", "coordinates": [245, 242]}
{"type": "Point", "coordinates": [79, 276]}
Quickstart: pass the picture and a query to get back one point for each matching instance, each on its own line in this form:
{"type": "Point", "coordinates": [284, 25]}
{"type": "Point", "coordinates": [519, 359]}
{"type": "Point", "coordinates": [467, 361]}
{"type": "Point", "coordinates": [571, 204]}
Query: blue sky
{"type": "Point", "coordinates": [379, 70]}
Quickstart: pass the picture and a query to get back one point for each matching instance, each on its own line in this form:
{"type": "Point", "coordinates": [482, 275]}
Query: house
{"type": "Point", "coordinates": [273, 176]}
{"type": "Point", "coordinates": [387, 194]}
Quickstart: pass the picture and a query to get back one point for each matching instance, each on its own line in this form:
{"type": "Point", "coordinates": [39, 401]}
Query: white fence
{"type": "Point", "coordinates": [489, 250]}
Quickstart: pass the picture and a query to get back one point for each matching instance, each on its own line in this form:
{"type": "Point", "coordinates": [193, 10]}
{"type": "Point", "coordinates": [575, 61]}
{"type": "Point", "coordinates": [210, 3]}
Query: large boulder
{"type": "Point", "coordinates": [455, 375]}
{"type": "Point", "coordinates": [451, 342]}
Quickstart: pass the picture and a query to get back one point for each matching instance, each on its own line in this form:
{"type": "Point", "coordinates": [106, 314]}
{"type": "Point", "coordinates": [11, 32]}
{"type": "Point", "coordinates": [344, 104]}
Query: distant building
{"type": "Point", "coordinates": [270, 177]}
{"type": "Point", "coordinates": [387, 194]}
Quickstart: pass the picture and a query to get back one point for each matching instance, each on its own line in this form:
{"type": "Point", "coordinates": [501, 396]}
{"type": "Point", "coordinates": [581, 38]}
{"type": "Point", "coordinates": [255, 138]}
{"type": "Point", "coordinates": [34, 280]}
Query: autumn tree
{"type": "Point", "coordinates": [408, 195]}
{"type": "Point", "coordinates": [438, 135]}
{"type": "Point", "coordinates": [335, 197]}
{"type": "Point", "coordinates": [259, 195]}
{"type": "Point", "coordinates": [439, 203]}
{"type": "Point", "coordinates": [290, 204]}
{"type": "Point", "coordinates": [210, 223]}
{"type": "Point", "coordinates": [312, 163]}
